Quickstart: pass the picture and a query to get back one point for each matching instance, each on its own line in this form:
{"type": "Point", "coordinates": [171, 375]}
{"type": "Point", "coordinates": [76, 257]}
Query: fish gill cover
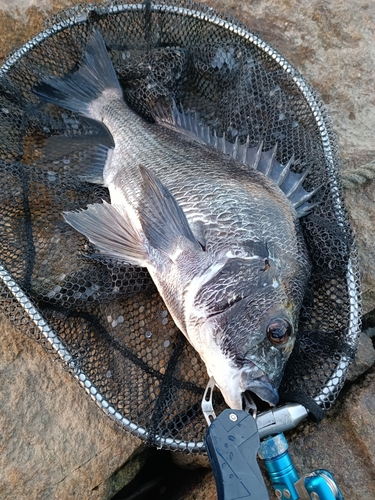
{"type": "Point", "coordinates": [104, 319]}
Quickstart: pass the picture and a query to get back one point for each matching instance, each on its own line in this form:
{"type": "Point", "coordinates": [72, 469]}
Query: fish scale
{"type": "Point", "coordinates": [221, 240]}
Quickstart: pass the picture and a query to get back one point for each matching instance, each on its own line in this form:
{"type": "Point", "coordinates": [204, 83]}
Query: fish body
{"type": "Point", "coordinates": [221, 241]}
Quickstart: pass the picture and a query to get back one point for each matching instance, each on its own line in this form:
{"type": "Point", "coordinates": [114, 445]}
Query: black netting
{"type": "Point", "coordinates": [105, 320]}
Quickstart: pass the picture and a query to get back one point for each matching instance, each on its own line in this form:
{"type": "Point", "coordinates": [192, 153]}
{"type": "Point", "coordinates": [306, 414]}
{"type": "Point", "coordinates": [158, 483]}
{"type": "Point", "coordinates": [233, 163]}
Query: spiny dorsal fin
{"type": "Point", "coordinates": [264, 161]}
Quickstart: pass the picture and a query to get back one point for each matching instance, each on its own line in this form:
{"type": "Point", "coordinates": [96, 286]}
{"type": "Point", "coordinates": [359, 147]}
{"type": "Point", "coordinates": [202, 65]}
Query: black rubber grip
{"type": "Point", "coordinates": [232, 443]}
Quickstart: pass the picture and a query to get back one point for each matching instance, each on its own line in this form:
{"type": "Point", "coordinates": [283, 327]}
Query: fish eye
{"type": "Point", "coordinates": [279, 331]}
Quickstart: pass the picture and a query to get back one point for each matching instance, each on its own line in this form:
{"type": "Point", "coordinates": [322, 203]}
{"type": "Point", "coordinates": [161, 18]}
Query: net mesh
{"type": "Point", "coordinates": [104, 320]}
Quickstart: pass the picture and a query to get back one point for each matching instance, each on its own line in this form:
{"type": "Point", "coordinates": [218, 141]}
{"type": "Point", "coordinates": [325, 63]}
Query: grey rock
{"type": "Point", "coordinates": [364, 359]}
{"type": "Point", "coordinates": [55, 443]}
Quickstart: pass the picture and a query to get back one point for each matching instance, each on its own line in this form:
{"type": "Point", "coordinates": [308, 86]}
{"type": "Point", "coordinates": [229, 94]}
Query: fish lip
{"type": "Point", "coordinates": [254, 379]}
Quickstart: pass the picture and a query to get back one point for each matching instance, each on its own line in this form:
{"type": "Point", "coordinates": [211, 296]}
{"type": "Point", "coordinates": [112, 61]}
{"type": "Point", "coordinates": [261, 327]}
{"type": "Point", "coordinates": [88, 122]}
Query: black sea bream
{"type": "Point", "coordinates": [221, 240]}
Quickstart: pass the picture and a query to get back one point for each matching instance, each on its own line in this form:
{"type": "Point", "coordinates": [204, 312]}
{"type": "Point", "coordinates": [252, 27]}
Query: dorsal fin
{"type": "Point", "coordinates": [264, 161]}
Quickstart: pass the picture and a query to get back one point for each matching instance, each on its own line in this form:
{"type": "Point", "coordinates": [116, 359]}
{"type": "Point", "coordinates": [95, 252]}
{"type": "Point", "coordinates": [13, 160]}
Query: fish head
{"type": "Point", "coordinates": [247, 329]}
{"type": "Point", "coordinates": [266, 350]}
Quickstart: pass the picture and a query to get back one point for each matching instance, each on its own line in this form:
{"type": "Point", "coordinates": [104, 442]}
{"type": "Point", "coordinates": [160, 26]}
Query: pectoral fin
{"type": "Point", "coordinates": [163, 220]}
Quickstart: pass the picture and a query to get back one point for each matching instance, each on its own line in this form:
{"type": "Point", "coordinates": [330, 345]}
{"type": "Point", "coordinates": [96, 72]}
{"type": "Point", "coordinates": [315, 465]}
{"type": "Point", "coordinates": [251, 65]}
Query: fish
{"type": "Point", "coordinates": [216, 223]}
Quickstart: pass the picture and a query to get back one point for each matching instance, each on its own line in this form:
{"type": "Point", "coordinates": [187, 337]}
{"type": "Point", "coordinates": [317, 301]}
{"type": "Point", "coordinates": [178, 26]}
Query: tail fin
{"type": "Point", "coordinates": [77, 90]}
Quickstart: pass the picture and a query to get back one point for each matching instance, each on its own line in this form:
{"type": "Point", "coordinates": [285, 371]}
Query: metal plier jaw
{"type": "Point", "coordinates": [206, 405]}
{"type": "Point", "coordinates": [269, 423]}
{"type": "Point", "coordinates": [232, 443]}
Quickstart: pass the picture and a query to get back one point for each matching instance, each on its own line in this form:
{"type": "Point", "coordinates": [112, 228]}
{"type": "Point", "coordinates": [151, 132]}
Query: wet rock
{"type": "Point", "coordinates": [55, 443]}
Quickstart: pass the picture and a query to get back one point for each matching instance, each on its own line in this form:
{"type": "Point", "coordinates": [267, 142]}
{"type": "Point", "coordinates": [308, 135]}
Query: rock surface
{"type": "Point", "coordinates": [364, 359]}
{"type": "Point", "coordinates": [55, 443]}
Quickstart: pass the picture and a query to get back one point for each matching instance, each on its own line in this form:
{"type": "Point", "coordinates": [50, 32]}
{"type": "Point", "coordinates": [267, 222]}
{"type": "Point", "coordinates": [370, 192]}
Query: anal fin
{"type": "Point", "coordinates": [95, 161]}
{"type": "Point", "coordinates": [111, 231]}
{"type": "Point", "coordinates": [87, 163]}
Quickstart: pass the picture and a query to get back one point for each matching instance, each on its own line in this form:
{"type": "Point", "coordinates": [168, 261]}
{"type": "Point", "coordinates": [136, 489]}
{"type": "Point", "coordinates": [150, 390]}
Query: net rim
{"type": "Point", "coordinates": [215, 18]}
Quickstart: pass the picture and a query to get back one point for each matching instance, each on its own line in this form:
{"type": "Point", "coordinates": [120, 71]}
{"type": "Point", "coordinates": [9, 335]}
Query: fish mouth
{"type": "Point", "coordinates": [255, 381]}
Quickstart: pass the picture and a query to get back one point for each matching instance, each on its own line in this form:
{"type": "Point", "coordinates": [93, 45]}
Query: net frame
{"type": "Point", "coordinates": [24, 310]}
